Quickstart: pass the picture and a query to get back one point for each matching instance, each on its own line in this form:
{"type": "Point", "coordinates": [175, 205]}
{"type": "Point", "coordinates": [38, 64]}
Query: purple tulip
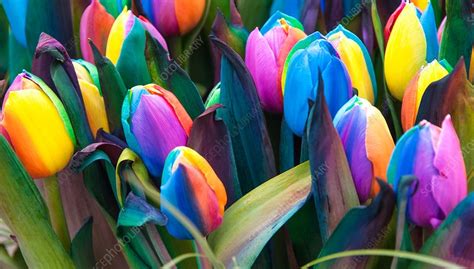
{"type": "Point", "coordinates": [434, 156]}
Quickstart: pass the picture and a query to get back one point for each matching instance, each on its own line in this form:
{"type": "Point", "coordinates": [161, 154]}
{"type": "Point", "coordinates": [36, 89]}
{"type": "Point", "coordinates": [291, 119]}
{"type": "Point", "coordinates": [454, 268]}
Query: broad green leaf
{"type": "Point", "coordinates": [333, 188]}
{"type": "Point", "coordinates": [361, 228]}
{"type": "Point", "coordinates": [82, 247]}
{"type": "Point", "coordinates": [453, 240]}
{"type": "Point", "coordinates": [113, 90]}
{"type": "Point", "coordinates": [245, 120]}
{"type": "Point", "coordinates": [254, 13]}
{"type": "Point", "coordinates": [24, 211]}
{"type": "Point", "coordinates": [168, 74]}
{"type": "Point", "coordinates": [251, 221]}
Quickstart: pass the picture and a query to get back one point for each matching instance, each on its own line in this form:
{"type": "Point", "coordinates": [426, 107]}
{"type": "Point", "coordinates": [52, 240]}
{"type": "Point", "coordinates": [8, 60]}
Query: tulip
{"type": "Point", "coordinates": [38, 126]}
{"type": "Point", "coordinates": [174, 17]}
{"type": "Point", "coordinates": [434, 156]}
{"type": "Point", "coordinates": [405, 52]}
{"type": "Point", "coordinates": [126, 47]}
{"type": "Point", "coordinates": [95, 24]}
{"type": "Point", "coordinates": [190, 184]}
{"type": "Point", "coordinates": [311, 57]}
{"type": "Point", "coordinates": [154, 123]}
{"type": "Point", "coordinates": [367, 143]}
{"type": "Point", "coordinates": [92, 96]}
{"type": "Point", "coordinates": [269, 48]}
{"type": "Point", "coordinates": [357, 60]}
{"type": "Point", "coordinates": [414, 93]}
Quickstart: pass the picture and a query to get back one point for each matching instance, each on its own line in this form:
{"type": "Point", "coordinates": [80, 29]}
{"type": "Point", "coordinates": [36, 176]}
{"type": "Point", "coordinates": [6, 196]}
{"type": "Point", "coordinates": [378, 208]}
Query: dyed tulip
{"type": "Point", "coordinates": [434, 156]}
{"type": "Point", "coordinates": [38, 126]}
{"type": "Point", "coordinates": [414, 93]}
{"type": "Point", "coordinates": [91, 94]}
{"type": "Point", "coordinates": [310, 58]}
{"type": "Point", "coordinates": [154, 124]}
{"type": "Point", "coordinates": [357, 60]}
{"type": "Point", "coordinates": [367, 143]}
{"type": "Point", "coordinates": [95, 24]}
{"type": "Point", "coordinates": [269, 48]}
{"type": "Point", "coordinates": [174, 17]}
{"type": "Point", "coordinates": [190, 184]}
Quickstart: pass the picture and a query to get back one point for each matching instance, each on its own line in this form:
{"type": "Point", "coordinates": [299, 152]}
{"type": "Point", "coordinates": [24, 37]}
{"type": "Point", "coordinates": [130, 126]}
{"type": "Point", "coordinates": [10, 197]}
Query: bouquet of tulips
{"type": "Point", "coordinates": [236, 134]}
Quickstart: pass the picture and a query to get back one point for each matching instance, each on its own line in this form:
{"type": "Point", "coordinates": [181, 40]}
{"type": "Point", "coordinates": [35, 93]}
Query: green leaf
{"type": "Point", "coordinates": [251, 221]}
{"type": "Point", "coordinates": [254, 13]}
{"type": "Point", "coordinates": [24, 211]}
{"type": "Point", "coordinates": [245, 120]}
{"type": "Point", "coordinates": [458, 34]}
{"type": "Point", "coordinates": [168, 74]}
{"type": "Point", "coordinates": [82, 247]}
{"type": "Point", "coordinates": [362, 227]}
{"type": "Point", "coordinates": [113, 90]}
{"type": "Point", "coordinates": [4, 32]}
{"type": "Point", "coordinates": [453, 240]}
{"type": "Point", "coordinates": [333, 188]}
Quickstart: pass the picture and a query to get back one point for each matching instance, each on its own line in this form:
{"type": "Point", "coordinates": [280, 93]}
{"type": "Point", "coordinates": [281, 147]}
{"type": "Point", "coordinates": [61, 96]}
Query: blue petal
{"type": "Point", "coordinates": [137, 212]}
{"type": "Point", "coordinates": [292, 8]}
{"type": "Point", "coordinates": [274, 21]}
{"type": "Point", "coordinates": [16, 14]}
{"type": "Point", "coordinates": [431, 35]}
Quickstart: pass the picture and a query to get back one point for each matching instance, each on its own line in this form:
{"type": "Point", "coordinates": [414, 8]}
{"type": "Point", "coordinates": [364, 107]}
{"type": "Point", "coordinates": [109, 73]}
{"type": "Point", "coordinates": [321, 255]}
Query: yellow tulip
{"type": "Point", "coordinates": [406, 51]}
{"type": "Point", "coordinates": [414, 93]}
{"type": "Point", "coordinates": [38, 128]}
{"type": "Point", "coordinates": [93, 100]}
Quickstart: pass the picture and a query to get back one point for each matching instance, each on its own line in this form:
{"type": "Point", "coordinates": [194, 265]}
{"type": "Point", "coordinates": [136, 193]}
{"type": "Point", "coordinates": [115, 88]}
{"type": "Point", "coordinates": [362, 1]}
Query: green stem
{"type": "Point", "coordinates": [388, 253]}
{"type": "Point", "coordinates": [175, 45]}
{"type": "Point", "coordinates": [56, 210]}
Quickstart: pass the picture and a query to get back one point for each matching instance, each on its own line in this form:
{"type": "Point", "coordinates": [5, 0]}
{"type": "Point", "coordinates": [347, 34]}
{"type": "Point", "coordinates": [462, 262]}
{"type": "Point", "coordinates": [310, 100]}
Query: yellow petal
{"type": "Point", "coordinates": [432, 72]}
{"type": "Point", "coordinates": [116, 37]}
{"type": "Point", "coordinates": [352, 56]}
{"type": "Point", "coordinates": [421, 4]}
{"type": "Point", "coordinates": [82, 72]}
{"type": "Point", "coordinates": [471, 66]}
{"type": "Point", "coordinates": [406, 51]}
{"type": "Point", "coordinates": [95, 107]}
{"type": "Point", "coordinates": [37, 133]}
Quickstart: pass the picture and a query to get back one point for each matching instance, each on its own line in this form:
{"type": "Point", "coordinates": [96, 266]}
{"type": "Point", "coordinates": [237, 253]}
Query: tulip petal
{"type": "Point", "coordinates": [274, 21]}
{"type": "Point", "coordinates": [404, 52]}
{"type": "Point", "coordinates": [188, 14]}
{"type": "Point", "coordinates": [137, 212]}
{"type": "Point", "coordinates": [116, 37]}
{"type": "Point", "coordinates": [95, 24]}
{"type": "Point", "coordinates": [448, 192]}
{"type": "Point", "coordinates": [95, 107]}
{"type": "Point", "coordinates": [16, 13]}
{"type": "Point", "coordinates": [429, 28]}
{"type": "Point", "coordinates": [162, 15]}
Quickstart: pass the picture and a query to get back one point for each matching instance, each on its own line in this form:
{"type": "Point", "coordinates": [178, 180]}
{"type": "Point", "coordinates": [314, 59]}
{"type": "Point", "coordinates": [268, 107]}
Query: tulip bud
{"type": "Point", "coordinates": [174, 17]}
{"type": "Point", "coordinates": [190, 184]}
{"type": "Point", "coordinates": [300, 79]}
{"type": "Point", "coordinates": [414, 93]}
{"type": "Point", "coordinates": [269, 48]}
{"type": "Point", "coordinates": [95, 24]}
{"type": "Point", "coordinates": [92, 96]}
{"type": "Point", "coordinates": [434, 156]}
{"type": "Point", "coordinates": [38, 126]}
{"type": "Point", "coordinates": [367, 142]}
{"type": "Point", "coordinates": [405, 52]}
{"type": "Point", "coordinates": [154, 123]}
{"type": "Point", "coordinates": [357, 60]}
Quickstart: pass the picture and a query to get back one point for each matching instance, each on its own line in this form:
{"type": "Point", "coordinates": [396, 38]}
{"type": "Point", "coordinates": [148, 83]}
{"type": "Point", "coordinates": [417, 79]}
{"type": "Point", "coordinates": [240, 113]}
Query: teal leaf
{"type": "Point", "coordinates": [361, 228]}
{"type": "Point", "coordinates": [137, 212]}
{"type": "Point", "coordinates": [81, 246]}
{"type": "Point", "coordinates": [244, 118]}
{"type": "Point", "coordinates": [333, 188]}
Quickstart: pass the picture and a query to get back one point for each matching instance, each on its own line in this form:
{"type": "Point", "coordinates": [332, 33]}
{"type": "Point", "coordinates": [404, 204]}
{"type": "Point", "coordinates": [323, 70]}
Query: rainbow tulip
{"type": "Point", "coordinates": [434, 156]}
{"type": "Point", "coordinates": [408, 52]}
{"type": "Point", "coordinates": [309, 58]}
{"type": "Point", "coordinates": [38, 126]}
{"type": "Point", "coordinates": [190, 184]}
{"type": "Point", "coordinates": [355, 56]}
{"type": "Point", "coordinates": [88, 79]}
{"type": "Point", "coordinates": [95, 24]}
{"type": "Point", "coordinates": [367, 143]}
{"type": "Point", "coordinates": [269, 48]}
{"type": "Point", "coordinates": [174, 17]}
{"type": "Point", "coordinates": [414, 93]}
{"type": "Point", "coordinates": [154, 123]}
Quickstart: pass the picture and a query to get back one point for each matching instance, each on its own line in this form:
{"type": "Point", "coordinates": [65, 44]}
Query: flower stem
{"type": "Point", "coordinates": [56, 210]}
